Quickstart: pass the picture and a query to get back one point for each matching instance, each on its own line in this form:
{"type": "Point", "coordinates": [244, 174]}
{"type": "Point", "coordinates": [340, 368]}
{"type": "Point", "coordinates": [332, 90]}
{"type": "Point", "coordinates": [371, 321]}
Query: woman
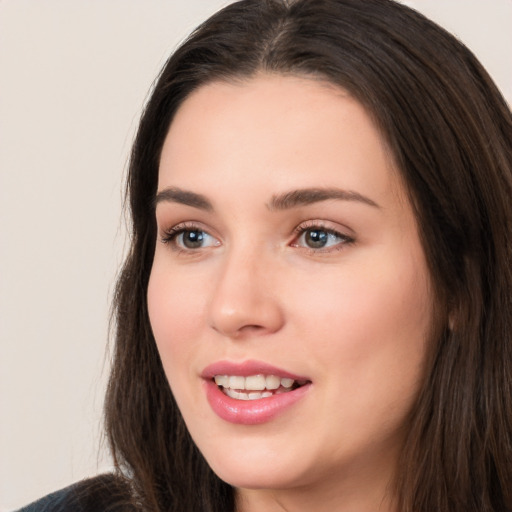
{"type": "Point", "coordinates": [315, 313]}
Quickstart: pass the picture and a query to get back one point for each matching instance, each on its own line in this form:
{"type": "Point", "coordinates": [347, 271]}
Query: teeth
{"type": "Point", "coordinates": [255, 395]}
{"type": "Point", "coordinates": [287, 383]}
{"type": "Point", "coordinates": [222, 380]}
{"type": "Point", "coordinates": [252, 383]}
{"type": "Point", "coordinates": [236, 382]}
{"type": "Point", "coordinates": [272, 382]}
{"type": "Point", "coordinates": [255, 382]}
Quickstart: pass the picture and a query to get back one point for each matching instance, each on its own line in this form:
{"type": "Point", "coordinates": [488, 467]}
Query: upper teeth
{"type": "Point", "coordinates": [253, 382]}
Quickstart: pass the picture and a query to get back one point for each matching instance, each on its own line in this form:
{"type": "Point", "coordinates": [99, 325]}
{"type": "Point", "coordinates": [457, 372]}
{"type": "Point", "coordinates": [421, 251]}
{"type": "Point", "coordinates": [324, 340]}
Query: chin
{"type": "Point", "coordinates": [242, 470]}
{"type": "Point", "coordinates": [256, 479]}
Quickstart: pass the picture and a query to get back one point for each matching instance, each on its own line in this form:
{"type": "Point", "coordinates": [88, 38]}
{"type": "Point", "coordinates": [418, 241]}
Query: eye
{"type": "Point", "coordinates": [189, 238]}
{"type": "Point", "coordinates": [194, 239]}
{"type": "Point", "coordinates": [320, 238]}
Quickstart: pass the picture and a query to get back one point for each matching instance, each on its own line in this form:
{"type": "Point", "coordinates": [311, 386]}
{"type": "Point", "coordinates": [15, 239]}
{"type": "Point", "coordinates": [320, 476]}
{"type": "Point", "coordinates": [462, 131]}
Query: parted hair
{"type": "Point", "coordinates": [450, 132]}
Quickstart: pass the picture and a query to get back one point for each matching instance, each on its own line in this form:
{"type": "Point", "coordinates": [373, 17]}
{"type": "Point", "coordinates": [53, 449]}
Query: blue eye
{"type": "Point", "coordinates": [192, 239]}
{"type": "Point", "coordinates": [317, 237]}
{"type": "Point", "coordinates": [189, 238]}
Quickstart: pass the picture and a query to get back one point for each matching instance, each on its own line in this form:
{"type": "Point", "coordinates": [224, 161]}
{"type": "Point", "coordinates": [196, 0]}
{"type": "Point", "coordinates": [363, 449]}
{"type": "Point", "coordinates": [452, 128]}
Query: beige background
{"type": "Point", "coordinates": [73, 78]}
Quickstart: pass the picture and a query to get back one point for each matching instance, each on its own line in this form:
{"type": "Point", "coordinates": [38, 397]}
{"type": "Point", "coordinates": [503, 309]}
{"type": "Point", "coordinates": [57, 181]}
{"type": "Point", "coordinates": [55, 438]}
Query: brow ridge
{"type": "Point", "coordinates": [285, 201]}
{"type": "Point", "coordinates": [186, 197]}
{"type": "Point", "coordinates": [300, 197]}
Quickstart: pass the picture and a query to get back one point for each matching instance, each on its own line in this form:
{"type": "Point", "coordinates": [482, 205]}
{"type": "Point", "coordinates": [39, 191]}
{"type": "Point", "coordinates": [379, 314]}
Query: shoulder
{"type": "Point", "coordinates": [105, 492]}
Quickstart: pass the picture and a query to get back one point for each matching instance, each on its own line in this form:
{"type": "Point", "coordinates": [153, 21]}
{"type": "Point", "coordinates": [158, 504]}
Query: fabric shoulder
{"type": "Point", "coordinates": [100, 494]}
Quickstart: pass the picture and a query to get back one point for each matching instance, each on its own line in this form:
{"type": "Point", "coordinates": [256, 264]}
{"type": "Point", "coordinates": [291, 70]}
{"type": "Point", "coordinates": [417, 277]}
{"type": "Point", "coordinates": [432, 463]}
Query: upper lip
{"type": "Point", "coordinates": [247, 368]}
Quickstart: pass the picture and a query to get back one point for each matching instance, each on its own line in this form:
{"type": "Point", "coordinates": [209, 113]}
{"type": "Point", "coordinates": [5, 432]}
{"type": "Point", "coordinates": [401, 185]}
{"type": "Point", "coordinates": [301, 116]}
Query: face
{"type": "Point", "coordinates": [289, 295]}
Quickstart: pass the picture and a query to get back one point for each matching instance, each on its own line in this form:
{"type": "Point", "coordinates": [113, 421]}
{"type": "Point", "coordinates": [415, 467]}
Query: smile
{"type": "Point", "coordinates": [252, 392]}
{"type": "Point", "coordinates": [255, 387]}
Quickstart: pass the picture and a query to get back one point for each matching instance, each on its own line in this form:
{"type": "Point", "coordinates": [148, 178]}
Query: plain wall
{"type": "Point", "coordinates": [73, 78]}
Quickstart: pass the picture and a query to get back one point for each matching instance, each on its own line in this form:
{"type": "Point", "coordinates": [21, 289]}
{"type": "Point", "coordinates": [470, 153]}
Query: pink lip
{"type": "Point", "coordinates": [245, 369]}
{"type": "Point", "coordinates": [249, 412]}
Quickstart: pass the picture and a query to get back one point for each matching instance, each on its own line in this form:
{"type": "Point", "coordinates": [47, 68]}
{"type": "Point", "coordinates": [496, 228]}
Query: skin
{"type": "Point", "coordinates": [353, 316]}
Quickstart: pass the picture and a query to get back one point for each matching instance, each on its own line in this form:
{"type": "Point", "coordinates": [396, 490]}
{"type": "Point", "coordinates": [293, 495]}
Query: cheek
{"type": "Point", "coordinates": [354, 302]}
{"type": "Point", "coordinates": [174, 307]}
{"type": "Point", "coordinates": [369, 323]}
{"type": "Point", "coordinates": [173, 313]}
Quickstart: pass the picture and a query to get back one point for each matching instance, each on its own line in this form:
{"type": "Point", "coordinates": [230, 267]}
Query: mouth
{"type": "Point", "coordinates": [256, 387]}
{"type": "Point", "coordinates": [252, 392]}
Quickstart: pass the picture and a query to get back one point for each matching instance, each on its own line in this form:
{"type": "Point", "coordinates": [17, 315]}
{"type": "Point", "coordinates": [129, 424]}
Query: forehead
{"type": "Point", "coordinates": [273, 127]}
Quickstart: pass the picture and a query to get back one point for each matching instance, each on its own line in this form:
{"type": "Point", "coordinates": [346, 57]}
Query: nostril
{"type": "Point", "coordinates": [249, 330]}
{"type": "Point", "coordinates": [237, 315]}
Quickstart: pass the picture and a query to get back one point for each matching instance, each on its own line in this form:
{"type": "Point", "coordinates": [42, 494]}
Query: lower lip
{"type": "Point", "coordinates": [251, 412]}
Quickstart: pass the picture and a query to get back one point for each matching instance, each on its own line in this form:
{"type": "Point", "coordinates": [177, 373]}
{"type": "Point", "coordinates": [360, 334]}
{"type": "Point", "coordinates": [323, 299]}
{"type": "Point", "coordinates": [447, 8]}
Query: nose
{"type": "Point", "coordinates": [245, 301]}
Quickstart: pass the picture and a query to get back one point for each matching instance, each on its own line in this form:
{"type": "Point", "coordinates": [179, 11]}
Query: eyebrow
{"type": "Point", "coordinates": [306, 196]}
{"type": "Point", "coordinates": [284, 201]}
{"type": "Point", "coordinates": [177, 195]}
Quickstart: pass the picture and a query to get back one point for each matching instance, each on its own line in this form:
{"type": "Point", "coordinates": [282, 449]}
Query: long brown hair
{"type": "Point", "coordinates": [450, 132]}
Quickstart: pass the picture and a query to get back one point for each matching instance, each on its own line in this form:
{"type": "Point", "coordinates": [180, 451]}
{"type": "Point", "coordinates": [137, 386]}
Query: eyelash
{"type": "Point", "coordinates": [170, 236]}
{"type": "Point", "coordinates": [302, 229]}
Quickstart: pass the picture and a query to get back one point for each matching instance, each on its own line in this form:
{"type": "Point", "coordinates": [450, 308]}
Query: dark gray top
{"type": "Point", "coordinates": [99, 494]}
